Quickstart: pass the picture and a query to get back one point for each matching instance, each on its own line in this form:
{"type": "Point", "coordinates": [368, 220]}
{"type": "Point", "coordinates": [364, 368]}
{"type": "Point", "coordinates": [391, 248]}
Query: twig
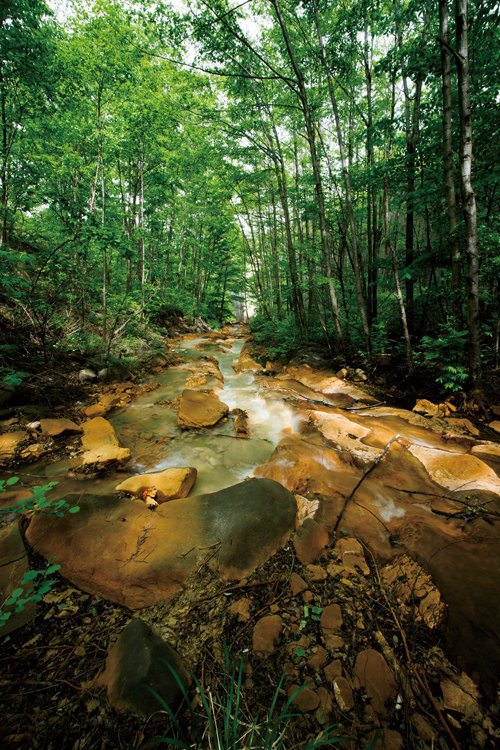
{"type": "Point", "coordinates": [378, 460]}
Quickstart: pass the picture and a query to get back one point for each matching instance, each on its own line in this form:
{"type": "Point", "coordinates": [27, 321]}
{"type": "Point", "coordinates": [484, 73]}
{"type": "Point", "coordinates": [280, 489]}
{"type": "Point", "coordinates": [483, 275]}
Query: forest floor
{"type": "Point", "coordinates": [47, 667]}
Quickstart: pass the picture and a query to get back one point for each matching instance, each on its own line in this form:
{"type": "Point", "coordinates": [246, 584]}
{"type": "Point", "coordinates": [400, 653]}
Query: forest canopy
{"type": "Point", "coordinates": [335, 163]}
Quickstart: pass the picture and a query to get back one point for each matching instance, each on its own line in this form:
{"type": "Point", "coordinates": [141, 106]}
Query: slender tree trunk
{"type": "Point", "coordinates": [311, 138]}
{"type": "Point", "coordinates": [468, 196]}
{"type": "Point", "coordinates": [347, 183]}
{"type": "Point", "coordinates": [449, 182]}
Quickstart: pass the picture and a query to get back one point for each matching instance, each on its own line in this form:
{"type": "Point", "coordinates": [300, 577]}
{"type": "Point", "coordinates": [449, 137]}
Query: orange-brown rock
{"type": "Point", "coordinates": [331, 619]}
{"type": "Point", "coordinates": [388, 739]}
{"type": "Point", "coordinates": [324, 382]}
{"type": "Point", "coordinates": [344, 434]}
{"type": "Point", "coordinates": [241, 608]}
{"type": "Point", "coordinates": [315, 573]}
{"type": "Point", "coordinates": [241, 426]}
{"type": "Point", "coordinates": [102, 449]}
{"type": "Point", "coordinates": [124, 552]}
{"type": "Point", "coordinates": [373, 674]}
{"type": "Point", "coordinates": [169, 484]}
{"type": "Point", "coordinates": [265, 634]}
{"type": "Point", "coordinates": [13, 565]}
{"type": "Point", "coordinates": [199, 410]}
{"type": "Point", "coordinates": [58, 427]}
{"type": "Point", "coordinates": [246, 363]}
{"type": "Point", "coordinates": [10, 442]}
{"type": "Point", "coordinates": [318, 659]}
{"type": "Point", "coordinates": [455, 471]}
{"type": "Point", "coordinates": [96, 410]}
{"type": "Point", "coordinates": [495, 425]}
{"type": "Point", "coordinates": [352, 554]}
{"type": "Point", "coordinates": [310, 541]}
{"type": "Point", "coordinates": [297, 584]}
{"type": "Point", "coordinates": [425, 407]}
{"type": "Point", "coordinates": [462, 695]}
{"type": "Point", "coordinates": [463, 424]}
{"type": "Point", "coordinates": [333, 669]}
{"type": "Point", "coordinates": [306, 699]}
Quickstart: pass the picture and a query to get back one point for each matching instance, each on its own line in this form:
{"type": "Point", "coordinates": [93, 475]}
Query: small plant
{"type": "Point", "coordinates": [223, 726]}
{"type": "Point", "coordinates": [41, 584]}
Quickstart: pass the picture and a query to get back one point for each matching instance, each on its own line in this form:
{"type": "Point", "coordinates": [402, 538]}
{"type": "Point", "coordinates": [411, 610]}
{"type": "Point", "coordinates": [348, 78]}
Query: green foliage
{"type": "Point", "coordinates": [449, 347]}
{"type": "Point", "coordinates": [40, 581]}
{"type": "Point", "coordinates": [226, 728]}
{"type": "Point", "coordinates": [12, 377]}
{"type": "Point", "coordinates": [281, 337]}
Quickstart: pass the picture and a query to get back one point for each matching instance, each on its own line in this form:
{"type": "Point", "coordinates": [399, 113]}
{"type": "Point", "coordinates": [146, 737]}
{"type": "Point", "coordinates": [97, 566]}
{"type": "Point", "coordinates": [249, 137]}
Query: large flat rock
{"type": "Point", "coordinates": [122, 551]}
{"type": "Point", "coordinates": [199, 409]}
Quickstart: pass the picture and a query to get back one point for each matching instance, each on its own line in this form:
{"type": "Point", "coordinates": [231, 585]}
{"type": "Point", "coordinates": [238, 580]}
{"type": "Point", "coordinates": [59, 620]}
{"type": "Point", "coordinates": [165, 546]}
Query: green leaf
{"type": "Point", "coordinates": [300, 652]}
{"type": "Point", "coordinates": [52, 569]}
{"type": "Point", "coordinates": [12, 480]}
{"type": "Point", "coordinates": [74, 509]}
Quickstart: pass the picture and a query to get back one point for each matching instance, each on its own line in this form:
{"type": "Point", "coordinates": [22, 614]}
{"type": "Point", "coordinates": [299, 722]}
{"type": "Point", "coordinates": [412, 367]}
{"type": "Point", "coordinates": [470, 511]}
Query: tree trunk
{"type": "Point", "coordinates": [468, 196]}
{"type": "Point", "coordinates": [347, 183]}
{"type": "Point", "coordinates": [311, 139]}
{"type": "Point", "coordinates": [449, 183]}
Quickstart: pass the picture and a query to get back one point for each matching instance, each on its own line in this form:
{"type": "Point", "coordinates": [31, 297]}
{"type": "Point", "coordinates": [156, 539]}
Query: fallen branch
{"type": "Point", "coordinates": [378, 460]}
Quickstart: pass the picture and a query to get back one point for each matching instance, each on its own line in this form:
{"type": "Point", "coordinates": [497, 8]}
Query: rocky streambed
{"type": "Point", "coordinates": [286, 515]}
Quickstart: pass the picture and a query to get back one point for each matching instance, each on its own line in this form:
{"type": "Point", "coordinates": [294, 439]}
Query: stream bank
{"type": "Point", "coordinates": [322, 453]}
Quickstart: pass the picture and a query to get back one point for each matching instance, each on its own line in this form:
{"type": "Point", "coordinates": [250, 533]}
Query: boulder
{"type": "Point", "coordinates": [140, 660]}
{"type": "Point", "coordinates": [310, 541]}
{"type": "Point", "coordinates": [10, 442]}
{"type": "Point", "coordinates": [344, 434]}
{"type": "Point", "coordinates": [102, 446]}
{"type": "Point", "coordinates": [199, 410]}
{"type": "Point", "coordinates": [100, 547]}
{"type": "Point", "coordinates": [455, 471]}
{"type": "Point", "coordinates": [87, 376]}
{"type": "Point", "coordinates": [372, 673]}
{"type": "Point", "coordinates": [169, 484]}
{"type": "Point", "coordinates": [13, 565]}
{"type": "Point", "coordinates": [495, 425]}
{"type": "Point", "coordinates": [246, 363]}
{"type": "Point", "coordinates": [59, 427]}
{"type": "Point", "coordinates": [114, 372]}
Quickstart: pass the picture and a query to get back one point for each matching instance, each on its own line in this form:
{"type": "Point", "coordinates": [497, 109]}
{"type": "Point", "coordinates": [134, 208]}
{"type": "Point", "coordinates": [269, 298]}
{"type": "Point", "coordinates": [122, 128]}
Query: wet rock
{"type": "Point", "coordinates": [324, 382]}
{"type": "Point", "coordinates": [352, 553]}
{"type": "Point", "coordinates": [10, 443]}
{"type": "Point", "coordinates": [344, 433]}
{"type": "Point", "coordinates": [169, 484]}
{"type": "Point", "coordinates": [59, 427]}
{"type": "Point", "coordinates": [241, 608]}
{"type": "Point", "coordinates": [96, 410]}
{"type": "Point", "coordinates": [372, 673]}
{"type": "Point", "coordinates": [495, 425]}
{"type": "Point", "coordinates": [297, 584]}
{"type": "Point", "coordinates": [121, 551]}
{"type": "Point", "coordinates": [310, 541]}
{"type": "Point", "coordinates": [343, 694]}
{"type": "Point", "coordinates": [490, 449]}
{"type": "Point", "coordinates": [138, 659]}
{"type": "Point", "coordinates": [13, 565]}
{"type": "Point", "coordinates": [425, 407]}
{"type": "Point", "coordinates": [265, 634]}
{"type": "Point", "coordinates": [199, 410]}
{"type": "Point", "coordinates": [454, 471]}
{"type": "Point", "coordinates": [306, 700]}
{"type": "Point", "coordinates": [102, 449]}
{"type": "Point", "coordinates": [342, 374]}
{"type": "Point", "coordinates": [246, 363]}
{"type": "Point", "coordinates": [241, 426]}
{"type": "Point", "coordinates": [463, 424]}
